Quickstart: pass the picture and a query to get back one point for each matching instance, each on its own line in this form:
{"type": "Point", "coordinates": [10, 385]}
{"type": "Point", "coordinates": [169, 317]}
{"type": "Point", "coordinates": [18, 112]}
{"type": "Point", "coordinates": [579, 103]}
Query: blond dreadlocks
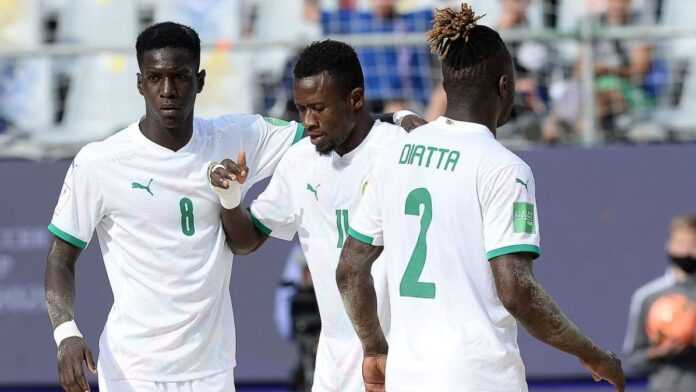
{"type": "Point", "coordinates": [460, 42]}
{"type": "Point", "coordinates": [449, 26]}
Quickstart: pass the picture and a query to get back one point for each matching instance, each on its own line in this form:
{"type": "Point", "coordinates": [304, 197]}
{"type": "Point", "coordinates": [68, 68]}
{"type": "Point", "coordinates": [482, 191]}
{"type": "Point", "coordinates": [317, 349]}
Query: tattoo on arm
{"type": "Point", "coordinates": [60, 281]}
{"type": "Point", "coordinates": [529, 303]}
{"type": "Point", "coordinates": [358, 292]}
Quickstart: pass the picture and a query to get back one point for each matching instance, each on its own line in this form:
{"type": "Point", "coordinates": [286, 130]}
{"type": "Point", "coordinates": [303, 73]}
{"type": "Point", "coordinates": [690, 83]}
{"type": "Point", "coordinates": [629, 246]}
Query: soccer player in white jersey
{"type": "Point", "coordinates": [145, 191]}
{"type": "Point", "coordinates": [314, 191]}
{"type": "Point", "coordinates": [454, 214]}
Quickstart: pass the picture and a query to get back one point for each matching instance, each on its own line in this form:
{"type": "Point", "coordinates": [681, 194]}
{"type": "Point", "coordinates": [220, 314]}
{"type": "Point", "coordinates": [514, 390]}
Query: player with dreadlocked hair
{"type": "Point", "coordinates": [455, 214]}
{"type": "Point", "coordinates": [474, 61]}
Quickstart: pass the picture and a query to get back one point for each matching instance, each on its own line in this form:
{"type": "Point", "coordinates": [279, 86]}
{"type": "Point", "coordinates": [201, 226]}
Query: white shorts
{"type": "Point", "coordinates": [220, 382]}
{"type": "Point", "coordinates": [338, 367]}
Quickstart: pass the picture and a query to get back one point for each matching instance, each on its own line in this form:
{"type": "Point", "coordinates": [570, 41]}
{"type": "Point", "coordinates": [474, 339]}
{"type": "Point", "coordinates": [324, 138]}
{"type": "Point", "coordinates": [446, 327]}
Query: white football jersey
{"type": "Point", "coordinates": [161, 237]}
{"type": "Point", "coordinates": [443, 202]}
{"type": "Point", "coordinates": [314, 195]}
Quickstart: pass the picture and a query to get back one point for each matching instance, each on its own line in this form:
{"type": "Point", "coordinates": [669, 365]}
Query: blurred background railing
{"type": "Point", "coordinates": [588, 71]}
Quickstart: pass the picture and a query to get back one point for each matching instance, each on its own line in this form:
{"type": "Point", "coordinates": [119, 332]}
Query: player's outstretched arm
{"type": "Point", "coordinates": [358, 292]}
{"type": "Point", "coordinates": [529, 303]}
{"type": "Point", "coordinates": [60, 294]}
{"type": "Point", "coordinates": [226, 179]}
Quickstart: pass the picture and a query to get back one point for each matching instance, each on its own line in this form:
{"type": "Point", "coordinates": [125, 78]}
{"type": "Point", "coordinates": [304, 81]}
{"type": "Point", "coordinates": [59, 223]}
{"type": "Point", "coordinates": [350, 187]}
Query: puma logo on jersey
{"type": "Point", "coordinates": [136, 185]}
{"type": "Point", "coordinates": [517, 180]}
{"type": "Point", "coordinates": [313, 190]}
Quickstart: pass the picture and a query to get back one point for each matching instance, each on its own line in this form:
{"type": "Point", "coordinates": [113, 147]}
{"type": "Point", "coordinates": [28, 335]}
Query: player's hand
{"type": "Point", "coordinates": [226, 179]}
{"type": "Point", "coordinates": [229, 171]}
{"type": "Point", "coordinates": [412, 122]}
{"type": "Point", "coordinates": [607, 366]}
{"type": "Point", "coordinates": [373, 372]}
{"type": "Point", "coordinates": [71, 353]}
{"type": "Point", "coordinates": [665, 349]}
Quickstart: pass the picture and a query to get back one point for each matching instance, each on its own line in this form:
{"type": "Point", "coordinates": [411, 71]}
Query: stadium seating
{"type": "Point", "coordinates": [25, 85]}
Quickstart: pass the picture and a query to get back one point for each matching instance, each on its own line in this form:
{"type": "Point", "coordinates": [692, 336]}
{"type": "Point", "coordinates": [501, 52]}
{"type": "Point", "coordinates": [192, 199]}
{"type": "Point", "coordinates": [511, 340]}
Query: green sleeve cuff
{"type": "Point", "coordinates": [514, 249]}
{"type": "Point", "coordinates": [299, 133]}
{"type": "Point", "coordinates": [263, 229]}
{"type": "Point", "coordinates": [69, 238]}
{"type": "Point", "coordinates": [360, 236]}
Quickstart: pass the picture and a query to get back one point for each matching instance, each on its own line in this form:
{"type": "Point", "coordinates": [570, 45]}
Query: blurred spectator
{"type": "Point", "coordinates": [531, 63]}
{"type": "Point", "coordinates": [622, 84]}
{"type": "Point", "coordinates": [530, 59]}
{"type": "Point", "coordinates": [395, 77]}
{"type": "Point", "coordinates": [297, 316]}
{"type": "Point", "coordinates": [671, 366]}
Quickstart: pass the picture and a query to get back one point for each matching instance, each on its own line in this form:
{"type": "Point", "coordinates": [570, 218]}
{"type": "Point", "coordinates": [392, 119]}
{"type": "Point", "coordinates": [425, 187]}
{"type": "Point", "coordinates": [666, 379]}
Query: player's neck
{"type": "Point", "coordinates": [362, 128]}
{"type": "Point", "coordinates": [170, 138]}
{"type": "Point", "coordinates": [475, 115]}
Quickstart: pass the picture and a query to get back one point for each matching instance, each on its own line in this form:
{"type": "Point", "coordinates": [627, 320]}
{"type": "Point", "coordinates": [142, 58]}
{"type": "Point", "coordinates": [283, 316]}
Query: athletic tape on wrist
{"type": "Point", "coordinates": [66, 330]}
{"type": "Point", "coordinates": [229, 198]}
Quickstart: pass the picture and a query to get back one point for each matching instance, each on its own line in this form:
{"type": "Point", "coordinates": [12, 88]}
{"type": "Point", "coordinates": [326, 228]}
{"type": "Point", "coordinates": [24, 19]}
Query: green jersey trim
{"type": "Point", "coordinates": [263, 229]}
{"type": "Point", "coordinates": [69, 238]}
{"type": "Point", "coordinates": [360, 236]}
{"type": "Point", "coordinates": [513, 249]}
{"type": "Point", "coordinates": [299, 133]}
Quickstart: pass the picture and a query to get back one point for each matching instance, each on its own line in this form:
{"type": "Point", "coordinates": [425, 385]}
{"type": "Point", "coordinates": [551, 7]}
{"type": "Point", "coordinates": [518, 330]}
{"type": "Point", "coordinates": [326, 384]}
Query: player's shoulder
{"type": "Point", "coordinates": [108, 149]}
{"type": "Point", "coordinates": [301, 152]}
{"type": "Point", "coordinates": [495, 156]}
{"type": "Point", "coordinates": [228, 123]}
{"type": "Point", "coordinates": [388, 130]}
{"type": "Point", "coordinates": [384, 134]}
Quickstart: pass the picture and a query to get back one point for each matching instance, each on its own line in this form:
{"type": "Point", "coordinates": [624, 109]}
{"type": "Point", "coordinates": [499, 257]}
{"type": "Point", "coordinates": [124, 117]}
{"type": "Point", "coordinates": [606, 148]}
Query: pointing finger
{"type": "Point", "coordinates": [241, 160]}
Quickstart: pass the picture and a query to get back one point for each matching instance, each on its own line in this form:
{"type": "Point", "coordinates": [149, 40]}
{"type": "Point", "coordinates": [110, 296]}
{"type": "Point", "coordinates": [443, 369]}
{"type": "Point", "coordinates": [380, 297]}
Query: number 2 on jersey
{"type": "Point", "coordinates": [411, 286]}
{"type": "Point", "coordinates": [187, 226]}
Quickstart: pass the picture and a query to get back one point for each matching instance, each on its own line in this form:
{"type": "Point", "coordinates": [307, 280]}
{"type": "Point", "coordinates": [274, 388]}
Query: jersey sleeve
{"type": "Point", "coordinates": [510, 214]}
{"type": "Point", "coordinates": [273, 212]}
{"type": "Point", "coordinates": [79, 208]}
{"type": "Point", "coordinates": [366, 224]}
{"type": "Point", "coordinates": [273, 138]}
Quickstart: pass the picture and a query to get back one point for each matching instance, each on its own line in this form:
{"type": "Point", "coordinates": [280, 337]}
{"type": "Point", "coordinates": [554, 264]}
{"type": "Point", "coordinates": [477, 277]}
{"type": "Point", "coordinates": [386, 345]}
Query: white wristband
{"type": "Point", "coordinates": [231, 197]}
{"type": "Point", "coordinates": [66, 330]}
{"type": "Point", "coordinates": [399, 116]}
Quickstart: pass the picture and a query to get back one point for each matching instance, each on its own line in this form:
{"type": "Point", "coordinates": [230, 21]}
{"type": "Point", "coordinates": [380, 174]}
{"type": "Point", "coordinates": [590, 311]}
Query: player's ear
{"type": "Point", "coordinates": [505, 88]}
{"type": "Point", "coordinates": [140, 83]}
{"type": "Point", "coordinates": [357, 99]}
{"type": "Point", "coordinates": [200, 76]}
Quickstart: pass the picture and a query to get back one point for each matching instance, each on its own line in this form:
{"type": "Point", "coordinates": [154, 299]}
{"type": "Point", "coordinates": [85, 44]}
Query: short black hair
{"type": "Point", "coordinates": [470, 53]}
{"type": "Point", "coordinates": [337, 58]}
{"type": "Point", "coordinates": [168, 35]}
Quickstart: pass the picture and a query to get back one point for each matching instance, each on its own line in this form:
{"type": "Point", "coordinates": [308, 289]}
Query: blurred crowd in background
{"type": "Point", "coordinates": [643, 88]}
